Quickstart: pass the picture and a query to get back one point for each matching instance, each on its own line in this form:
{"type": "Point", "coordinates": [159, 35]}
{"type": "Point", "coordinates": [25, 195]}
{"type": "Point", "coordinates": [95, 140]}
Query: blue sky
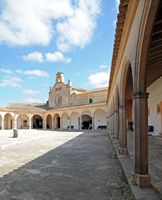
{"type": "Point", "coordinates": [39, 38]}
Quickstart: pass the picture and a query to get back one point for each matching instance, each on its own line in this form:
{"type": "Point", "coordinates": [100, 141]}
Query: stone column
{"type": "Point", "coordinates": [116, 124]}
{"type": "Point", "coordinates": [53, 122]}
{"type": "Point", "coordinates": [123, 149]}
{"type": "Point", "coordinates": [161, 122]}
{"type": "Point", "coordinates": [60, 123]}
{"type": "Point", "coordinates": [15, 122]}
{"type": "Point", "coordinates": [80, 123]}
{"type": "Point", "coordinates": [44, 122]}
{"type": "Point", "coordinates": [108, 123]}
{"type": "Point", "coordinates": [141, 175]}
{"type": "Point", "coordinates": [92, 123]}
{"type": "Point", "coordinates": [30, 122]}
{"type": "Point", "coordinates": [69, 123]}
{"type": "Point", "coordinates": [2, 122]}
{"type": "Point", "coordinates": [111, 124]}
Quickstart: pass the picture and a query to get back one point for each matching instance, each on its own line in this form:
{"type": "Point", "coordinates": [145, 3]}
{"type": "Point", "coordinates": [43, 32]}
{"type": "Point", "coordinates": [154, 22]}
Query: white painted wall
{"type": "Point", "coordinates": [155, 97]}
{"type": "Point", "coordinates": [74, 120]}
{"type": "Point", "coordinates": [99, 118]}
{"type": "Point", "coordinates": [20, 120]}
{"type": "Point", "coordinates": [65, 122]}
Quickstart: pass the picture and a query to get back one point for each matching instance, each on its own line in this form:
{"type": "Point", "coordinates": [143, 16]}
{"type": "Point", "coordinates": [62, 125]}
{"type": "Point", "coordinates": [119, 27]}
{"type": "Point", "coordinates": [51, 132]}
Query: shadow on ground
{"type": "Point", "coordinates": [81, 169]}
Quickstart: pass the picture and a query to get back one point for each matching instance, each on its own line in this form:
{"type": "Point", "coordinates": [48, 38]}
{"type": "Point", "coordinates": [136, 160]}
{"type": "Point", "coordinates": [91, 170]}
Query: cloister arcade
{"type": "Point", "coordinates": [60, 120]}
{"type": "Point", "coordinates": [135, 84]}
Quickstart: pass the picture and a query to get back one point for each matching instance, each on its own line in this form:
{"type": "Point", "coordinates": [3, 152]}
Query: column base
{"type": "Point", "coordinates": [123, 151]}
{"type": "Point", "coordinates": [160, 134]}
{"type": "Point", "coordinates": [142, 180]}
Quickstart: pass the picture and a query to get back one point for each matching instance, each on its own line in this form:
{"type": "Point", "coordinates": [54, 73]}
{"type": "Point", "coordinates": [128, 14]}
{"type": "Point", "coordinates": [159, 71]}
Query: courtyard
{"type": "Point", "coordinates": [58, 165]}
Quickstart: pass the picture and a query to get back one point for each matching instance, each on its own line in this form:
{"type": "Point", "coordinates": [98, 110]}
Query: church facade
{"type": "Point", "coordinates": [67, 108]}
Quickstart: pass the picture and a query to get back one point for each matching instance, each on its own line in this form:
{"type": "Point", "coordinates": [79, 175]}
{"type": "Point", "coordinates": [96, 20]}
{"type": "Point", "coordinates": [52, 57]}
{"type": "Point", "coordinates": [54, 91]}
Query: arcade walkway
{"type": "Point", "coordinates": [48, 165]}
{"type": "Point", "coordinates": [155, 165]}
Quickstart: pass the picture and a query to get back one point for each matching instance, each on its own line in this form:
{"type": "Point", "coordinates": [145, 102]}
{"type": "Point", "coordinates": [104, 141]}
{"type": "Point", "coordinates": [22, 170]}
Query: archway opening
{"type": "Point", "coordinates": [100, 120]}
{"type": "Point", "coordinates": [153, 73]}
{"type": "Point", "coordinates": [128, 99]}
{"type": "Point", "coordinates": [8, 121]}
{"type": "Point", "coordinates": [129, 110]}
{"type": "Point", "coordinates": [37, 122]}
{"type": "Point", "coordinates": [86, 122]}
{"type": "Point", "coordinates": [49, 121]}
{"type": "Point", "coordinates": [74, 120]}
{"type": "Point", "coordinates": [56, 121]}
{"type": "Point", "coordinates": [23, 122]}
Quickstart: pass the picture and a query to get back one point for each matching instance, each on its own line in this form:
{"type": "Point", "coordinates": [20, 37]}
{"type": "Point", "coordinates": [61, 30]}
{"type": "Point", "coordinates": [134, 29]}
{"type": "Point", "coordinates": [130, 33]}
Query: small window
{"type": "Point", "coordinates": [90, 100]}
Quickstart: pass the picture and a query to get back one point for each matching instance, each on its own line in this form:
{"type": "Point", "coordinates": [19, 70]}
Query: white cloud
{"type": "Point", "coordinates": [78, 29]}
{"type": "Point", "coordinates": [103, 66]}
{"type": "Point", "coordinates": [34, 56]}
{"type": "Point", "coordinates": [51, 57]}
{"type": "Point", "coordinates": [117, 4]}
{"type": "Point", "coordinates": [30, 22]}
{"type": "Point", "coordinates": [99, 79]}
{"type": "Point", "coordinates": [31, 92]}
{"type": "Point", "coordinates": [6, 71]}
{"type": "Point", "coordinates": [34, 72]}
{"type": "Point", "coordinates": [116, 9]}
{"type": "Point", "coordinates": [11, 82]}
{"type": "Point", "coordinates": [57, 57]}
{"type": "Point", "coordinates": [68, 22]}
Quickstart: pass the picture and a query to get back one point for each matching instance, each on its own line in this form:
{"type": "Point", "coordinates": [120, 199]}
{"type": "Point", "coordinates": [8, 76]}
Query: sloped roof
{"type": "Point", "coordinates": [118, 35]}
{"type": "Point", "coordinates": [28, 107]}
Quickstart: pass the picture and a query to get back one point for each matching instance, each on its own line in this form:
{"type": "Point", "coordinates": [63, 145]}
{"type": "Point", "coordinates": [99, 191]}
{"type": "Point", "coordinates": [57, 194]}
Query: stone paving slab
{"type": "Point", "coordinates": [61, 166]}
{"type": "Point", "coordinates": [127, 163]}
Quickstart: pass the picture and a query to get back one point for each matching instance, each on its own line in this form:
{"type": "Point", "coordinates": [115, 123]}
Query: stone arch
{"type": "Point", "coordinates": [65, 121]}
{"type": "Point", "coordinates": [37, 121]}
{"type": "Point", "coordinates": [0, 121]}
{"type": "Point", "coordinates": [56, 121]}
{"type": "Point", "coordinates": [143, 43]}
{"type": "Point", "coordinates": [117, 103]}
{"type": "Point", "coordinates": [8, 121]}
{"type": "Point", "coordinates": [86, 112]}
{"type": "Point", "coordinates": [126, 104]}
{"type": "Point", "coordinates": [86, 120]}
{"type": "Point", "coordinates": [22, 121]}
{"type": "Point", "coordinates": [100, 119]}
{"type": "Point", "coordinates": [75, 120]}
{"type": "Point", "coordinates": [123, 81]}
{"type": "Point", "coordinates": [148, 69]}
{"type": "Point", "coordinates": [49, 121]}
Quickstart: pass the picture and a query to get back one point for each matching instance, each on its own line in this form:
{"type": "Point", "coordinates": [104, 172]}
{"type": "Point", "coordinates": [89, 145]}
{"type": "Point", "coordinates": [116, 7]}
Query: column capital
{"type": "Point", "coordinates": [140, 94]}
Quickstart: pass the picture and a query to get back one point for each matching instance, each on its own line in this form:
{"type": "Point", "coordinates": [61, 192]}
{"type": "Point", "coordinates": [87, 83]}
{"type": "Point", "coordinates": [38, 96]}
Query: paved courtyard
{"type": "Point", "coordinates": [48, 165]}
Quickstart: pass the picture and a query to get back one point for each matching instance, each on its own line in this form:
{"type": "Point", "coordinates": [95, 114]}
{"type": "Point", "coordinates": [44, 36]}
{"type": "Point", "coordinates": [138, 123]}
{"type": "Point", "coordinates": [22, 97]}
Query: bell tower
{"type": "Point", "coordinates": [60, 77]}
